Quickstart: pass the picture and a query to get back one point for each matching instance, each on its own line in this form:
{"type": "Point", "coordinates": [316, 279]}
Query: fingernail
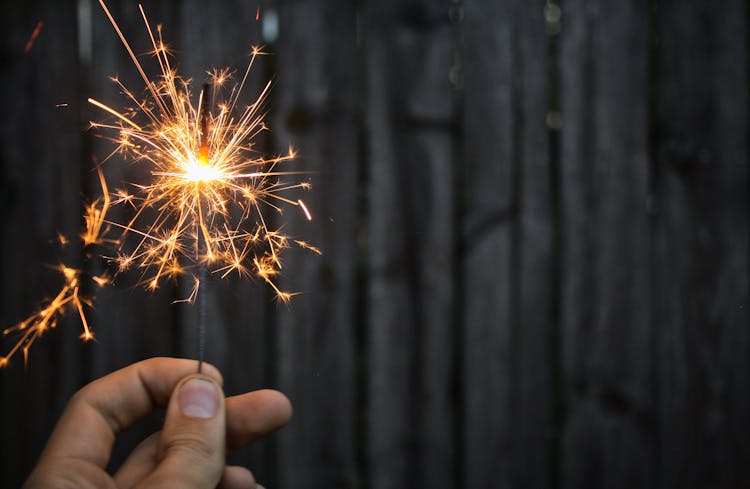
{"type": "Point", "coordinates": [199, 398]}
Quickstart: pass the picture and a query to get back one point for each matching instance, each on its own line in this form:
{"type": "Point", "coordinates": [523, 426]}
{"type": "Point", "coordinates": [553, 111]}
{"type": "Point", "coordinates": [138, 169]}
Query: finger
{"type": "Point", "coordinates": [102, 409]}
{"type": "Point", "coordinates": [249, 416]}
{"type": "Point", "coordinates": [191, 452]}
{"type": "Point", "coordinates": [255, 414]}
{"type": "Point", "coordinates": [236, 477]}
{"type": "Point", "coordinates": [139, 464]}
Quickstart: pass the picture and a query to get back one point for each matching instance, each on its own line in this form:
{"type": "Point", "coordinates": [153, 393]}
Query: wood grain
{"type": "Point", "coordinates": [410, 113]}
{"type": "Point", "coordinates": [316, 112]}
{"type": "Point", "coordinates": [702, 245]}
{"type": "Point", "coordinates": [40, 183]}
{"type": "Point", "coordinates": [487, 237]}
{"type": "Point", "coordinates": [606, 296]}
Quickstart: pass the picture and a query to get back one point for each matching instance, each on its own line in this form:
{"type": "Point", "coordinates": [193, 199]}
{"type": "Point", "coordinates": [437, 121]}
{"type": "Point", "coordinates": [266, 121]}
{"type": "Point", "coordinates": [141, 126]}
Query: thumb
{"type": "Point", "coordinates": [191, 447]}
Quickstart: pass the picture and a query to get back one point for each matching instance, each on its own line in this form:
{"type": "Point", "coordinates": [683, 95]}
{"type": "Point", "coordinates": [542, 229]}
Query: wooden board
{"type": "Point", "coordinates": [486, 237]}
{"type": "Point", "coordinates": [702, 245]}
{"type": "Point", "coordinates": [238, 326]}
{"type": "Point", "coordinates": [237, 308]}
{"type": "Point", "coordinates": [316, 112]}
{"type": "Point", "coordinates": [129, 322]}
{"type": "Point", "coordinates": [410, 116]}
{"type": "Point", "coordinates": [606, 290]}
{"type": "Point", "coordinates": [508, 280]}
{"type": "Point", "coordinates": [533, 295]}
{"type": "Point", "coordinates": [40, 167]}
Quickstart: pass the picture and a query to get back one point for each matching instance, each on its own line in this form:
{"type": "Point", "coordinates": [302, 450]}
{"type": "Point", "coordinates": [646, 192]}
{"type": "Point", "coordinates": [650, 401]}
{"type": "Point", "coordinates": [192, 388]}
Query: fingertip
{"type": "Point", "coordinates": [237, 477]}
{"type": "Point", "coordinates": [279, 404]}
{"type": "Point", "coordinates": [255, 414]}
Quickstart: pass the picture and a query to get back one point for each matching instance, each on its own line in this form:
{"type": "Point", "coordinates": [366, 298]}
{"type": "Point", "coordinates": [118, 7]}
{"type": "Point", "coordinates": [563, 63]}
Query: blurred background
{"type": "Point", "coordinates": [533, 218]}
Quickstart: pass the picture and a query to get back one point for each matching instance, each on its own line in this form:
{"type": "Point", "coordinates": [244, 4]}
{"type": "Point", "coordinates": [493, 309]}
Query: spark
{"type": "Point", "coordinates": [203, 196]}
{"type": "Point", "coordinates": [49, 314]}
{"type": "Point", "coordinates": [101, 281]}
{"type": "Point", "coordinates": [32, 38]}
{"type": "Point", "coordinates": [307, 246]}
{"type": "Point", "coordinates": [193, 292]}
{"type": "Point", "coordinates": [96, 213]}
{"type": "Point", "coordinates": [305, 210]}
{"type": "Point", "coordinates": [114, 113]}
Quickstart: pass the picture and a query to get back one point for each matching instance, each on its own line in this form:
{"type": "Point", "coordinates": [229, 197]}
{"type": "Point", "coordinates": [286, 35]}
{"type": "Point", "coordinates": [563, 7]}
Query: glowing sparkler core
{"type": "Point", "coordinates": [199, 170]}
{"type": "Point", "coordinates": [204, 194]}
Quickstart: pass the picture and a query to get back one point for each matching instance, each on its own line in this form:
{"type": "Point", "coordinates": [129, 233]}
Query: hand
{"type": "Point", "coordinates": [188, 453]}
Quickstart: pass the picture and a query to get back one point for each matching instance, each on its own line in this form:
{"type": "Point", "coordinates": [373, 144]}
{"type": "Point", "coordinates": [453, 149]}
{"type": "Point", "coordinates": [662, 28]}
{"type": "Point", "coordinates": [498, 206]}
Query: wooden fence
{"type": "Point", "coordinates": [534, 219]}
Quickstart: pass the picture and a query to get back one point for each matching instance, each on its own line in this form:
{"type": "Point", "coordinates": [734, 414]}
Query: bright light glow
{"type": "Point", "coordinates": [197, 170]}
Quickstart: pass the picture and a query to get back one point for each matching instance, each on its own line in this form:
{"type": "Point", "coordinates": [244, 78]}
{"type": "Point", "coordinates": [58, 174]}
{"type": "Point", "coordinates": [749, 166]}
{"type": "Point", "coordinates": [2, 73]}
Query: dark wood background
{"type": "Point", "coordinates": [534, 219]}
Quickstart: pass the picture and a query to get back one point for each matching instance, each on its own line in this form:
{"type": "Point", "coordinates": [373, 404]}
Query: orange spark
{"type": "Point", "coordinates": [96, 213]}
{"type": "Point", "coordinates": [32, 38]}
{"type": "Point", "coordinates": [48, 315]}
{"type": "Point", "coordinates": [101, 281]}
{"type": "Point", "coordinates": [304, 209]}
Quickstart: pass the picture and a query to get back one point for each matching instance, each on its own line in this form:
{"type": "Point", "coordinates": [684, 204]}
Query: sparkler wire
{"type": "Point", "coordinates": [203, 159]}
{"type": "Point", "coordinates": [202, 318]}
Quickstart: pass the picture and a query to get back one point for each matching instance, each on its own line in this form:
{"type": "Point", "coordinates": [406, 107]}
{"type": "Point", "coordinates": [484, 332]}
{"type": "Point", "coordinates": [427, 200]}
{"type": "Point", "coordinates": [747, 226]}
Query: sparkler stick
{"type": "Point", "coordinates": [200, 207]}
{"type": "Point", "coordinates": [203, 159]}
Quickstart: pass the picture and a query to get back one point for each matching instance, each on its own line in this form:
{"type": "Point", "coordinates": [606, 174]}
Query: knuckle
{"type": "Point", "coordinates": [191, 445]}
{"type": "Point", "coordinates": [68, 473]}
{"type": "Point", "coordinates": [79, 397]}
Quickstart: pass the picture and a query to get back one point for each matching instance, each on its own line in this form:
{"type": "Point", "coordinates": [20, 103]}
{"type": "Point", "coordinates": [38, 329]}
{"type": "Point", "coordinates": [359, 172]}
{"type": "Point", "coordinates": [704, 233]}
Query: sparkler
{"type": "Point", "coordinates": [201, 206]}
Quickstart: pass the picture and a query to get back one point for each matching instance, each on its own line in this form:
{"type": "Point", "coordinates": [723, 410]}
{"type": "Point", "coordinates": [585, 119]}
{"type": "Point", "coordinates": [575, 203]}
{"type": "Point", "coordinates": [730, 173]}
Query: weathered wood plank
{"type": "Point", "coordinates": [238, 324]}
{"type": "Point", "coordinates": [508, 269]}
{"type": "Point", "coordinates": [487, 243]}
{"type": "Point", "coordinates": [129, 322]}
{"type": "Point", "coordinates": [606, 309]}
{"type": "Point", "coordinates": [317, 112]}
{"type": "Point", "coordinates": [237, 321]}
{"type": "Point", "coordinates": [533, 294]}
{"type": "Point", "coordinates": [410, 301]}
{"type": "Point", "coordinates": [39, 196]}
{"type": "Point", "coordinates": [702, 244]}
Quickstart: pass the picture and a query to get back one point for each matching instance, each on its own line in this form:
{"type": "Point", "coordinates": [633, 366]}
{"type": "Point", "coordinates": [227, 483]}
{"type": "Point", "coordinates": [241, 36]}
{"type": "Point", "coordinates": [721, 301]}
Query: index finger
{"type": "Point", "coordinates": [98, 412]}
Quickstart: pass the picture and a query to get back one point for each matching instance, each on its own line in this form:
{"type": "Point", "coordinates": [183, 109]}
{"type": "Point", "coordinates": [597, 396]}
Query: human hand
{"type": "Point", "coordinates": [189, 452]}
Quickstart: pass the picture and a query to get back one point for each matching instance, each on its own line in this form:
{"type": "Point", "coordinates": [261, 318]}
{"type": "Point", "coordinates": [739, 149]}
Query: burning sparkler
{"type": "Point", "coordinates": [201, 205]}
